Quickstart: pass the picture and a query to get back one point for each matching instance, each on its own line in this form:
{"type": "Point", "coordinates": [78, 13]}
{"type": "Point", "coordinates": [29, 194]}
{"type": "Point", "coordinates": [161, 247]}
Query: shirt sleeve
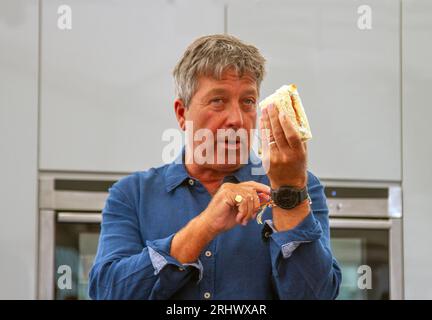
{"type": "Point", "coordinates": [303, 266]}
{"type": "Point", "coordinates": [125, 267]}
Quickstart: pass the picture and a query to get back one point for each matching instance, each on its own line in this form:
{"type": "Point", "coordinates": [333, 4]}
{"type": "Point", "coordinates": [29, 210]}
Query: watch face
{"type": "Point", "coordinates": [288, 198]}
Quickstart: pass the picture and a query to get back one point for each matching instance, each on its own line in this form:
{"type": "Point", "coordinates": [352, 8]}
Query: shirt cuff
{"type": "Point", "coordinates": [287, 241]}
{"type": "Point", "coordinates": [160, 257]}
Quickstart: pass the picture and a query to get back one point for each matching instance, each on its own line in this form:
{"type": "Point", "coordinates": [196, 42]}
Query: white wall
{"type": "Point", "coordinates": [417, 147]}
{"type": "Point", "coordinates": [18, 148]}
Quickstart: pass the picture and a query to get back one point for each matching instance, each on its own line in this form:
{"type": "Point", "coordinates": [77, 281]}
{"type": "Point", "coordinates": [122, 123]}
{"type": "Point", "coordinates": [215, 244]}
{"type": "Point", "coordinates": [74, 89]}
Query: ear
{"type": "Point", "coordinates": [180, 111]}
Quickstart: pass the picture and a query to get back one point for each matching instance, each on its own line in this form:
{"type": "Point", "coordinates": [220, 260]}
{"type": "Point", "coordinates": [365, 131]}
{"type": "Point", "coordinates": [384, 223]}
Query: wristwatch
{"type": "Point", "coordinates": [287, 197]}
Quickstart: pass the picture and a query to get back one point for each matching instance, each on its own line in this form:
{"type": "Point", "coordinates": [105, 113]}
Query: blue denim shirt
{"type": "Point", "coordinates": [144, 211]}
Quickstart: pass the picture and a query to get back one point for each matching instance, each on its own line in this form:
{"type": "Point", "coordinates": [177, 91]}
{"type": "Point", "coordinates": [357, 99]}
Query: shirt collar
{"type": "Point", "coordinates": [176, 172]}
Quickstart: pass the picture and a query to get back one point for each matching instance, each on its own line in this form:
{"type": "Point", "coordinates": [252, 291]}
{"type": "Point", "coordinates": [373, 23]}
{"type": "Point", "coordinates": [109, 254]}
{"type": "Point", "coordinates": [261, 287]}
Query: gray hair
{"type": "Point", "coordinates": [211, 56]}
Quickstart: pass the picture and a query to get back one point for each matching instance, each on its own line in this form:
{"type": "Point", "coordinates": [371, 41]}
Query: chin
{"type": "Point", "coordinates": [235, 163]}
{"type": "Point", "coordinates": [227, 167]}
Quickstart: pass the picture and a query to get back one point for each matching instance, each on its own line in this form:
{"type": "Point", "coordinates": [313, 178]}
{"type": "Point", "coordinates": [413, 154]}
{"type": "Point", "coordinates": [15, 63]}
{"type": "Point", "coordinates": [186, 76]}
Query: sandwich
{"type": "Point", "coordinates": [287, 100]}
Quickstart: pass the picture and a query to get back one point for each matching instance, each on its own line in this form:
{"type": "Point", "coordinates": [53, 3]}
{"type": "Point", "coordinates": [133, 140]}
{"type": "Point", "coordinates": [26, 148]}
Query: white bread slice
{"type": "Point", "coordinates": [287, 99]}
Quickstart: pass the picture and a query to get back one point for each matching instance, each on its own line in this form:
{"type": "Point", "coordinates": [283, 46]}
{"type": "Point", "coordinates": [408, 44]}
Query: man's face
{"type": "Point", "coordinates": [228, 103]}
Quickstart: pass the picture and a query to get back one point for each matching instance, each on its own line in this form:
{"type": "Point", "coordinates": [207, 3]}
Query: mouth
{"type": "Point", "coordinates": [234, 146]}
{"type": "Point", "coordinates": [230, 144]}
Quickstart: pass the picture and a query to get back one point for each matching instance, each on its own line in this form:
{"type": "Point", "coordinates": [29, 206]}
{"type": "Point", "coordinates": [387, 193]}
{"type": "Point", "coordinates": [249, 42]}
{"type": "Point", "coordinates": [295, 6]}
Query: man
{"type": "Point", "coordinates": [186, 230]}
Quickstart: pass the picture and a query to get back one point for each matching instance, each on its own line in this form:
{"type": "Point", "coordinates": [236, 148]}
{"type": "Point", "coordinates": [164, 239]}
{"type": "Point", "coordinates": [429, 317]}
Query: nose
{"type": "Point", "coordinates": [235, 117]}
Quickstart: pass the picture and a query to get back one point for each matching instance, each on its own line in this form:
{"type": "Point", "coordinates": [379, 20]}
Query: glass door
{"type": "Point", "coordinates": [76, 241]}
{"type": "Point", "coordinates": [363, 256]}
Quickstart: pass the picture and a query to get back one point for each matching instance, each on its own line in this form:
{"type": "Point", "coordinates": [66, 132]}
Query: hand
{"type": "Point", "coordinates": [223, 212]}
{"type": "Point", "coordinates": [287, 157]}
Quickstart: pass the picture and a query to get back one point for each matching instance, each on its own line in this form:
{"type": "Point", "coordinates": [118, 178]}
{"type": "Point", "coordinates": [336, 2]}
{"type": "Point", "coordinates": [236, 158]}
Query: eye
{"type": "Point", "coordinates": [217, 102]}
{"type": "Point", "coordinates": [249, 102]}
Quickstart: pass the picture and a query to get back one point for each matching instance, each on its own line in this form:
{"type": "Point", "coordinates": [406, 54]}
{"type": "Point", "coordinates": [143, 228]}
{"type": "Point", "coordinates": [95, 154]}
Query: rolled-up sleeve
{"type": "Point", "coordinates": [160, 257]}
{"type": "Point", "coordinates": [127, 268]}
{"type": "Point", "coordinates": [303, 266]}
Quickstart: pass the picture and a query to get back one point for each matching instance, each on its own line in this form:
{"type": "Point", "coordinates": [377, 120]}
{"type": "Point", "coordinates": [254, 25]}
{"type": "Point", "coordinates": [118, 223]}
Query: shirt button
{"type": "Point", "coordinates": [207, 295]}
{"type": "Point", "coordinates": [181, 269]}
{"type": "Point", "coordinates": [208, 253]}
{"type": "Point", "coordinates": [267, 234]}
{"type": "Point", "coordinates": [191, 182]}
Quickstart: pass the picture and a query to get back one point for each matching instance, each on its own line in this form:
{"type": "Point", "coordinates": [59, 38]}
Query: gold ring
{"type": "Point", "coordinates": [271, 142]}
{"type": "Point", "coordinates": [238, 198]}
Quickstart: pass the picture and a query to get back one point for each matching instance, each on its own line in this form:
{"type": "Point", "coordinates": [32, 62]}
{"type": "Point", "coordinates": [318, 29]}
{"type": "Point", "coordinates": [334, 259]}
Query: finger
{"type": "Point", "coordinates": [256, 202]}
{"type": "Point", "coordinates": [239, 215]}
{"type": "Point", "coordinates": [276, 127]}
{"type": "Point", "coordinates": [258, 187]}
{"type": "Point", "coordinates": [291, 133]}
{"type": "Point", "coordinates": [255, 195]}
{"type": "Point", "coordinates": [264, 140]}
{"type": "Point", "coordinates": [268, 128]}
{"type": "Point", "coordinates": [250, 201]}
{"type": "Point", "coordinates": [247, 207]}
{"type": "Point", "coordinates": [230, 199]}
{"type": "Point", "coordinates": [242, 209]}
{"type": "Point", "coordinates": [256, 205]}
{"type": "Point", "coordinates": [248, 210]}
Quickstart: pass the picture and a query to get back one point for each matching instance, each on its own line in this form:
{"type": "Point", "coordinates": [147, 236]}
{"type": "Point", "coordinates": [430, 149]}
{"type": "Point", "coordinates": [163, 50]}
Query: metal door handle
{"type": "Point", "coordinates": [79, 217]}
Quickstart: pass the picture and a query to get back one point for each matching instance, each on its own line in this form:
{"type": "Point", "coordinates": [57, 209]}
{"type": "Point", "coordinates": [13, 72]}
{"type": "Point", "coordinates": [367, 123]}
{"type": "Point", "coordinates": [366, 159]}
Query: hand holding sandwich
{"type": "Point", "coordinates": [284, 150]}
{"type": "Point", "coordinates": [284, 130]}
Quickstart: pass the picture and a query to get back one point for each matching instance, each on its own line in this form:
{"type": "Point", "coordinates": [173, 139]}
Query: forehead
{"type": "Point", "coordinates": [229, 81]}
